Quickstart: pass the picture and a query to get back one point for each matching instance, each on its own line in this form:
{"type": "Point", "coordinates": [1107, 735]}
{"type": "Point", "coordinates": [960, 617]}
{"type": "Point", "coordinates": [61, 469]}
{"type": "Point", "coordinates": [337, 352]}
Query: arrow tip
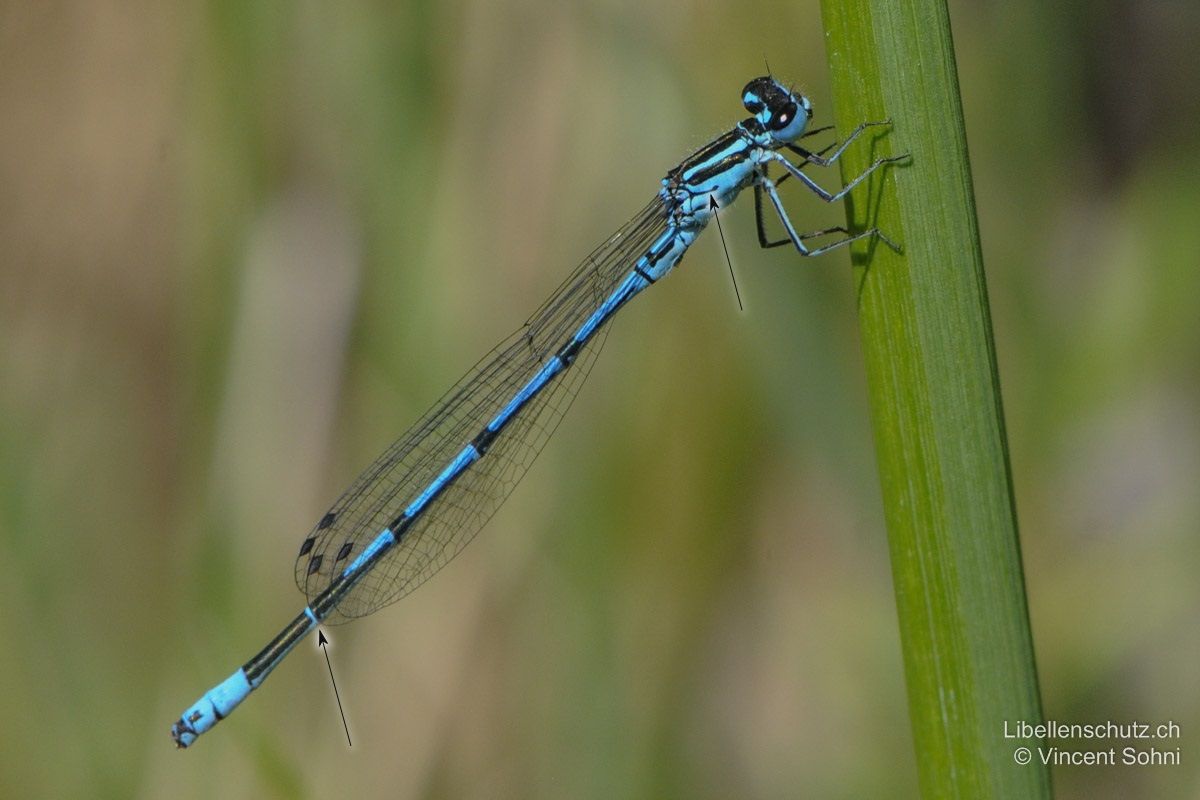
{"type": "Point", "coordinates": [321, 640]}
{"type": "Point", "coordinates": [712, 202]}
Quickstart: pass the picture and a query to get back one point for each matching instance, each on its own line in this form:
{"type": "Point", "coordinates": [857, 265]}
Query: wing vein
{"type": "Point", "coordinates": [410, 464]}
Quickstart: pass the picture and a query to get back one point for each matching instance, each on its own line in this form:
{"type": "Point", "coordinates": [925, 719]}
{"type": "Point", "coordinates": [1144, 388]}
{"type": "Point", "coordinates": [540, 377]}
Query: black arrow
{"type": "Point", "coordinates": [712, 205]}
{"type": "Point", "coordinates": [322, 641]}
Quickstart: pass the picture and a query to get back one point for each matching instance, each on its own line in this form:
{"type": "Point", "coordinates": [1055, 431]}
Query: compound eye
{"type": "Point", "coordinates": [785, 117]}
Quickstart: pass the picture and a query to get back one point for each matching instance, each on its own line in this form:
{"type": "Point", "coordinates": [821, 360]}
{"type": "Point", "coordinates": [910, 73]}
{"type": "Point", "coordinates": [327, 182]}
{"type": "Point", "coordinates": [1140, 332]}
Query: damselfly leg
{"type": "Point", "coordinates": [817, 158]}
{"type": "Point", "coordinates": [765, 184]}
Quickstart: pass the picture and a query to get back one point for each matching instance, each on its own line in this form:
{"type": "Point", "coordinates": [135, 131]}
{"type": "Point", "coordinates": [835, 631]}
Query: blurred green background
{"type": "Point", "coordinates": [244, 245]}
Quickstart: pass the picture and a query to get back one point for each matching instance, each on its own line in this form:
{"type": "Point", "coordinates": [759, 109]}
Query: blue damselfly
{"type": "Point", "coordinates": [429, 493]}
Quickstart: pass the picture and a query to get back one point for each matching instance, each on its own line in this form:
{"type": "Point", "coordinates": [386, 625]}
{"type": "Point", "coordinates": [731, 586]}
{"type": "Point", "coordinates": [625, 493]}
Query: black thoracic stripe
{"type": "Point", "coordinates": [718, 167]}
{"type": "Point", "coordinates": [262, 663]}
{"type": "Point", "coordinates": [708, 151]}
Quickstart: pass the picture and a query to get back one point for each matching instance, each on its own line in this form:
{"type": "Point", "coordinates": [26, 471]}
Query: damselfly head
{"type": "Point", "coordinates": [782, 112]}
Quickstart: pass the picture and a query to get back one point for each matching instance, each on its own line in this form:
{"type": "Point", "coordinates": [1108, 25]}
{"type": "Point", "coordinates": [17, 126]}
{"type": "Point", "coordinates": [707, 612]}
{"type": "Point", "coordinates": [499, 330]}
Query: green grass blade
{"type": "Point", "coordinates": [935, 396]}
